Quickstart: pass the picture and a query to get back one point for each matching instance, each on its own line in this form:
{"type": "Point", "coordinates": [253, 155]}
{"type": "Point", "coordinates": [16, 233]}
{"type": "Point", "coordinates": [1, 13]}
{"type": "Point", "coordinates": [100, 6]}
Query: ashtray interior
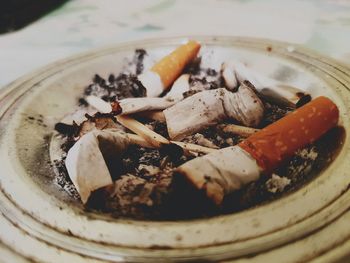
{"type": "Point", "coordinates": [27, 136]}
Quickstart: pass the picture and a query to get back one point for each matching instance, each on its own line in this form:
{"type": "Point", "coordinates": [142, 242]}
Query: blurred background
{"type": "Point", "coordinates": [36, 32]}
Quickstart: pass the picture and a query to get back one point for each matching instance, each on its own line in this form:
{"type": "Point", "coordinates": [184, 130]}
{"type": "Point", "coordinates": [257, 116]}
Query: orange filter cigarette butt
{"type": "Point", "coordinates": [163, 74]}
{"type": "Point", "coordinates": [280, 140]}
{"type": "Point", "coordinates": [170, 67]}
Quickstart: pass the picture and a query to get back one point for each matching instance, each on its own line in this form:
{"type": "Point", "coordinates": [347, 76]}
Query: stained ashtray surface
{"type": "Point", "coordinates": [41, 211]}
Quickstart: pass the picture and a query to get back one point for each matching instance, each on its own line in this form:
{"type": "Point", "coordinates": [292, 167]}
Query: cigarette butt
{"type": "Point", "coordinates": [170, 67]}
{"type": "Point", "coordinates": [194, 147]}
{"type": "Point", "coordinates": [138, 140]}
{"type": "Point", "coordinates": [280, 140]}
{"type": "Point", "coordinates": [99, 104]}
{"type": "Point", "coordinates": [237, 129]}
{"type": "Point", "coordinates": [150, 136]}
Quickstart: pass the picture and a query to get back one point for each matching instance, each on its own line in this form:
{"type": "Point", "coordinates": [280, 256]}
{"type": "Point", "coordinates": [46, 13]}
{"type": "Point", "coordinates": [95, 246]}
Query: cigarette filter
{"type": "Point", "coordinates": [168, 69]}
{"type": "Point", "coordinates": [280, 140]}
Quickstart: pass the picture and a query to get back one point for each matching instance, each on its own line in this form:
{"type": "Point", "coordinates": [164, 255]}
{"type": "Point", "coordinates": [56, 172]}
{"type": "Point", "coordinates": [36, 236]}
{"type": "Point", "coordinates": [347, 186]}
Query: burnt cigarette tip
{"type": "Point", "coordinates": [116, 108]}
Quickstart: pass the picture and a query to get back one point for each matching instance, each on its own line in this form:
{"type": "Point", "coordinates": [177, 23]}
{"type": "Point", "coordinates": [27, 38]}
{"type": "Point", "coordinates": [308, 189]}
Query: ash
{"type": "Point", "coordinates": [202, 78]}
{"type": "Point", "coordinates": [302, 163]}
{"type": "Point", "coordinates": [277, 183]}
{"type": "Point", "coordinates": [125, 85]}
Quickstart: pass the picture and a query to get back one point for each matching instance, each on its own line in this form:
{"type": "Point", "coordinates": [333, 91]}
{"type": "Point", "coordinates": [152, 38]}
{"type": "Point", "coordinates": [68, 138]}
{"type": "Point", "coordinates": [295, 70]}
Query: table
{"type": "Point", "coordinates": [81, 25]}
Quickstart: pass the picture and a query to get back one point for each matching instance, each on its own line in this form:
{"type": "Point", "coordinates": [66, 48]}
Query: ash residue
{"type": "Point", "coordinates": [37, 120]}
{"type": "Point", "coordinates": [118, 87]}
{"type": "Point", "coordinates": [273, 112]}
{"type": "Point", "coordinates": [158, 127]}
{"type": "Point", "coordinates": [302, 163]}
{"type": "Point", "coordinates": [135, 156]}
{"type": "Point", "coordinates": [143, 187]}
{"type": "Point", "coordinates": [220, 138]}
{"type": "Point", "coordinates": [194, 67]}
{"type": "Point", "coordinates": [139, 56]}
{"type": "Point", "coordinates": [277, 183]}
{"type": "Point", "coordinates": [115, 88]}
{"type": "Point", "coordinates": [133, 196]}
{"type": "Point", "coordinates": [202, 78]}
{"type": "Point", "coordinates": [63, 180]}
{"type": "Point", "coordinates": [67, 129]}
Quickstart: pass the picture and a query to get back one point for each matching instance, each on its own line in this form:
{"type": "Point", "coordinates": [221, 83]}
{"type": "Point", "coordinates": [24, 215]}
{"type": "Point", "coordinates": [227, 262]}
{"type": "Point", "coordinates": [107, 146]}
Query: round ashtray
{"type": "Point", "coordinates": [40, 222]}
